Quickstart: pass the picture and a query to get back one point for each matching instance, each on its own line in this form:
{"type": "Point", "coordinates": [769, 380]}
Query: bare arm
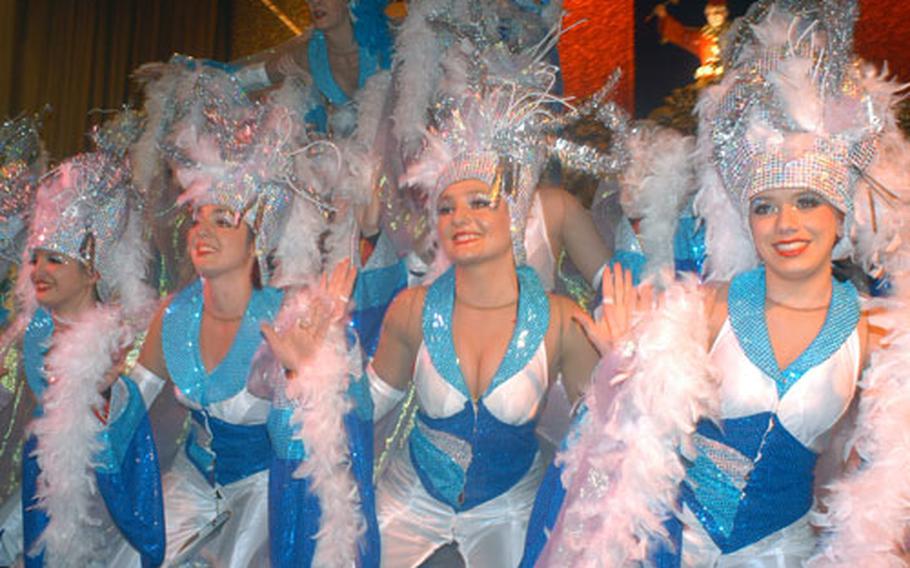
{"type": "Point", "coordinates": [400, 339]}
{"type": "Point", "coordinates": [152, 355]}
{"type": "Point", "coordinates": [570, 226]}
{"type": "Point", "coordinates": [577, 357]}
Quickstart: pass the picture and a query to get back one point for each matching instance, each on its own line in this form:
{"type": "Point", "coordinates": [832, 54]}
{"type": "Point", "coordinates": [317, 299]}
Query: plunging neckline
{"type": "Point", "coordinates": [197, 351]}
{"type": "Point", "coordinates": [531, 323]}
{"type": "Point", "coordinates": [748, 318]}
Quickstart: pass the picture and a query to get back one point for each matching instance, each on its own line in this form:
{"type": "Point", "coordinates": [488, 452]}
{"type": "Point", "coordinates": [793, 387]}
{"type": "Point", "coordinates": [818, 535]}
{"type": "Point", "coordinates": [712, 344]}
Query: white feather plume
{"type": "Point", "coordinates": [655, 187]}
{"type": "Point", "coordinates": [622, 474]}
{"type": "Point", "coordinates": [320, 396]}
{"type": "Point", "coordinates": [68, 431]}
{"type": "Point", "coordinates": [417, 55]}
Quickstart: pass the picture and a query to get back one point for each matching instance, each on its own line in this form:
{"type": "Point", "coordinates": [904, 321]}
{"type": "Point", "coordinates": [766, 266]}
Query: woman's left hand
{"type": "Point", "coordinates": [622, 304]}
{"type": "Point", "coordinates": [295, 346]}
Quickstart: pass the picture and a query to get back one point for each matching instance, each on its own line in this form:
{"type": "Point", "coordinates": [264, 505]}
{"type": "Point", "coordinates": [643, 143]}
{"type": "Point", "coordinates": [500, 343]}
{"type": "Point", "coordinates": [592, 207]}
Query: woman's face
{"type": "Point", "coordinates": [471, 225]}
{"type": "Point", "coordinates": [794, 231]}
{"type": "Point", "coordinates": [219, 242]}
{"type": "Point", "coordinates": [62, 284]}
{"type": "Point", "coordinates": [328, 14]}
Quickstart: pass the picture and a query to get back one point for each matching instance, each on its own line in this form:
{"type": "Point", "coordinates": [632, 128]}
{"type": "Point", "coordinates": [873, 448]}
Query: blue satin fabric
{"type": "Point", "coordinates": [374, 291]}
{"type": "Point", "coordinates": [34, 520]}
{"type": "Point", "coordinates": [133, 495]}
{"type": "Point", "coordinates": [549, 499]}
{"type": "Point", "coordinates": [547, 505]}
{"type": "Point", "coordinates": [131, 490]}
{"type": "Point", "coordinates": [236, 451]}
{"type": "Point", "coordinates": [778, 489]}
{"type": "Point", "coordinates": [689, 250]}
{"type": "Point", "coordinates": [294, 511]}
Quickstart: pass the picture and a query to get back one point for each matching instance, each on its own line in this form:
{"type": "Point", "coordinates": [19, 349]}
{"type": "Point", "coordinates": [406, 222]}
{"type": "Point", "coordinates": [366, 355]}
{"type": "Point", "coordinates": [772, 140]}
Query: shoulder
{"type": "Point", "coordinates": [404, 314]}
{"type": "Point", "coordinates": [715, 299]}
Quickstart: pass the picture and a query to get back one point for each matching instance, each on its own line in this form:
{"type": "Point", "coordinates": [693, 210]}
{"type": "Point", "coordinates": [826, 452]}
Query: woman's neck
{"type": "Point", "coordinates": [226, 296]}
{"type": "Point", "coordinates": [807, 292]}
{"type": "Point", "coordinates": [65, 315]}
{"type": "Point", "coordinates": [339, 40]}
{"type": "Point", "coordinates": [487, 284]}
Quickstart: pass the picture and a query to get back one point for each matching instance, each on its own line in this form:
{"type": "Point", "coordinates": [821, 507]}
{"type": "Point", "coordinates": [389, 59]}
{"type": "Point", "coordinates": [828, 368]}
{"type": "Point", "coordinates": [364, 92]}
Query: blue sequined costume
{"type": "Point", "coordinates": [224, 465]}
{"type": "Point", "coordinates": [471, 466]}
{"type": "Point", "coordinates": [747, 494]}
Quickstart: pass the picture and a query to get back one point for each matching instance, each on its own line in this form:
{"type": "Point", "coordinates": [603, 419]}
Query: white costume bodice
{"type": "Point", "coordinates": [516, 401]}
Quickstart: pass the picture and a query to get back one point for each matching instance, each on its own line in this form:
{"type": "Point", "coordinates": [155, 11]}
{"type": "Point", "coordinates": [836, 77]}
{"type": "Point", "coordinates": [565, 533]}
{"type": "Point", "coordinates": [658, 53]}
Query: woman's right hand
{"type": "Point", "coordinates": [295, 346]}
{"type": "Point", "coordinates": [622, 304]}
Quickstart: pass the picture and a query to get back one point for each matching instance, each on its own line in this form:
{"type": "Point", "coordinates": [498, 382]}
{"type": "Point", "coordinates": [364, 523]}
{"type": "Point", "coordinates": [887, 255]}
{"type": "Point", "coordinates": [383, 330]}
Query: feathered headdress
{"type": "Point", "coordinates": [496, 119]}
{"type": "Point", "coordinates": [795, 110]}
{"type": "Point", "coordinates": [227, 150]}
{"type": "Point", "coordinates": [86, 209]}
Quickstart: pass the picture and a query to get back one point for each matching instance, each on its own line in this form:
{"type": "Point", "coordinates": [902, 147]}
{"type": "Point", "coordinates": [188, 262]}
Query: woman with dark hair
{"type": "Point", "coordinates": [741, 419]}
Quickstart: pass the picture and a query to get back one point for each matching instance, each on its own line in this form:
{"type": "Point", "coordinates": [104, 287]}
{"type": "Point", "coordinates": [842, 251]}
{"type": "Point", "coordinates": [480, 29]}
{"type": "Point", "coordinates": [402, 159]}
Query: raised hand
{"type": "Point", "coordinates": [622, 304]}
{"type": "Point", "coordinates": [295, 344]}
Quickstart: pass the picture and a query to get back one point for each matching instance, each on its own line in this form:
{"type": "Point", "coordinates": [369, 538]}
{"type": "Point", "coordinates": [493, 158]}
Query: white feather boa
{"type": "Point", "coordinates": [319, 394]}
{"type": "Point", "coordinates": [868, 512]}
{"type": "Point", "coordinates": [68, 432]}
{"type": "Point", "coordinates": [622, 474]}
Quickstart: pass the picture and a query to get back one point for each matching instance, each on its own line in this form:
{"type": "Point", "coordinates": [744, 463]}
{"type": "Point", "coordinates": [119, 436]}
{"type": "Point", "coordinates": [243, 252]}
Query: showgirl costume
{"type": "Point", "coordinates": [91, 489]}
{"type": "Point", "coordinates": [247, 473]}
{"type": "Point", "coordinates": [471, 467]}
{"type": "Point", "coordinates": [737, 482]}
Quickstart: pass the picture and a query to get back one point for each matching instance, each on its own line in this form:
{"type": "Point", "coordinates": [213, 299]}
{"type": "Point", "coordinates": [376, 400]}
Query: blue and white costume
{"type": "Point", "coordinates": [224, 466]}
{"type": "Point", "coordinates": [126, 467]}
{"type": "Point", "coordinates": [472, 467]}
{"type": "Point", "coordinates": [747, 495]}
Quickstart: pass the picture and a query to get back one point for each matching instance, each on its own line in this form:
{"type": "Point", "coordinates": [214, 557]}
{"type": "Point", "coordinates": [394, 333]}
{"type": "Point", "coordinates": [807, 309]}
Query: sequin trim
{"type": "Point", "coordinates": [746, 308]}
{"type": "Point", "coordinates": [180, 343]}
{"type": "Point", "coordinates": [530, 328]}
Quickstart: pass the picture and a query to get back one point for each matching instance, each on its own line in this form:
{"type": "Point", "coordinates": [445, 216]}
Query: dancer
{"type": "Point", "coordinates": [90, 483]}
{"type": "Point", "coordinates": [472, 463]}
{"type": "Point", "coordinates": [238, 162]}
{"type": "Point", "coordinates": [349, 43]}
{"type": "Point", "coordinates": [798, 141]}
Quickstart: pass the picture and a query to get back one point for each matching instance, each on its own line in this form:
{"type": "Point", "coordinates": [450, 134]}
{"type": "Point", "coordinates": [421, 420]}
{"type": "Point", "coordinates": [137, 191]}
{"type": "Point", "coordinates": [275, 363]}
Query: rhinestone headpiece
{"type": "Point", "coordinates": [792, 111]}
{"type": "Point", "coordinates": [82, 209]}
{"type": "Point", "coordinates": [228, 150]}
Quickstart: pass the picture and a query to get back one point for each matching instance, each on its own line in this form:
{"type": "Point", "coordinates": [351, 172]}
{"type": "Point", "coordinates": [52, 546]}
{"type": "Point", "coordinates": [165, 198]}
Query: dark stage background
{"type": "Point", "coordinates": [76, 55]}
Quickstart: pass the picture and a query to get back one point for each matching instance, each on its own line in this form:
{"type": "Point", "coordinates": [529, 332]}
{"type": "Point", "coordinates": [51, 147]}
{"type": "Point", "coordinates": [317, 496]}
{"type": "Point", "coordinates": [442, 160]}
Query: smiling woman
{"type": "Point", "coordinates": [791, 138]}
